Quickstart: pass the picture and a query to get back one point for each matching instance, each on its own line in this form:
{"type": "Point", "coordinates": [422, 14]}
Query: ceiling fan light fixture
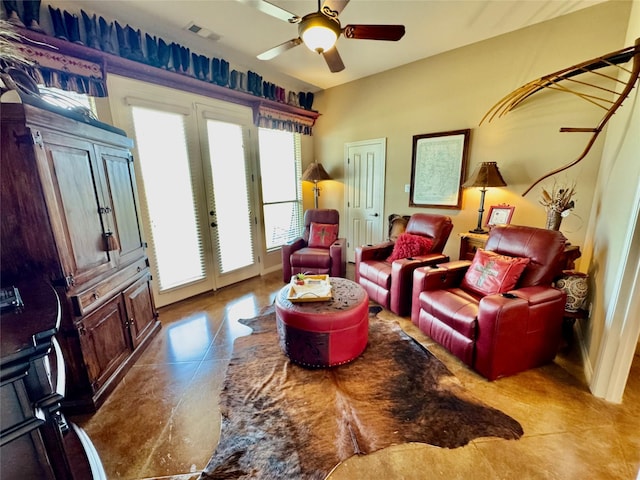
{"type": "Point", "coordinates": [318, 32]}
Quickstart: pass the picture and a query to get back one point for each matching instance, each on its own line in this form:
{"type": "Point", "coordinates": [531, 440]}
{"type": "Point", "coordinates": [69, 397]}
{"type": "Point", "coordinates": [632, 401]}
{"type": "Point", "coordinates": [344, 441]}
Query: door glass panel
{"type": "Point", "coordinates": [232, 218]}
{"type": "Point", "coordinates": [164, 161]}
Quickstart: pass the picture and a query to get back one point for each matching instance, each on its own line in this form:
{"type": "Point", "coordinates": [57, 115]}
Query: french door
{"type": "Point", "coordinates": [195, 164]}
{"type": "Point", "coordinates": [230, 191]}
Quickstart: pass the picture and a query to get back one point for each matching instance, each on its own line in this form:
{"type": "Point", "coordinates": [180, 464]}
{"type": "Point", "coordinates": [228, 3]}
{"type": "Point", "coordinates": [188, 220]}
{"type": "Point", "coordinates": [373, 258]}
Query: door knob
{"type": "Point", "coordinates": [373, 215]}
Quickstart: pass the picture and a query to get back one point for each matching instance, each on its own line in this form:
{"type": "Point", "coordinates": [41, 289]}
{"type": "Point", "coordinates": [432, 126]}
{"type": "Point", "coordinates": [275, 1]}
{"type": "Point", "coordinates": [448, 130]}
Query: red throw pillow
{"type": "Point", "coordinates": [491, 273]}
{"type": "Point", "coordinates": [409, 245]}
{"type": "Point", "coordinates": [322, 235]}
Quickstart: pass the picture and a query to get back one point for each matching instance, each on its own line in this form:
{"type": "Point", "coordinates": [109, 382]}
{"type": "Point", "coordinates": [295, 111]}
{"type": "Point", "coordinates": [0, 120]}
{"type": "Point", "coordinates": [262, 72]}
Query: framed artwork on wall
{"type": "Point", "coordinates": [438, 167]}
{"type": "Point", "coordinates": [499, 215]}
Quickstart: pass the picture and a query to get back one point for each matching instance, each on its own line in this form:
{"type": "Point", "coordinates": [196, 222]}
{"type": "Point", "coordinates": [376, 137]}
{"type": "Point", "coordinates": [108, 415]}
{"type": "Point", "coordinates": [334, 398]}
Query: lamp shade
{"type": "Point", "coordinates": [315, 172]}
{"type": "Point", "coordinates": [485, 175]}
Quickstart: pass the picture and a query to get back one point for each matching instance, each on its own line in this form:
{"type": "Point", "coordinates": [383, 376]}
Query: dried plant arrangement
{"type": "Point", "coordinates": [558, 203]}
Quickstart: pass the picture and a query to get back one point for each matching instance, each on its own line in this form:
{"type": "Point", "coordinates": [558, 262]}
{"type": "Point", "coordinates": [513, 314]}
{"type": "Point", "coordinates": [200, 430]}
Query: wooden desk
{"type": "Point", "coordinates": [36, 441]}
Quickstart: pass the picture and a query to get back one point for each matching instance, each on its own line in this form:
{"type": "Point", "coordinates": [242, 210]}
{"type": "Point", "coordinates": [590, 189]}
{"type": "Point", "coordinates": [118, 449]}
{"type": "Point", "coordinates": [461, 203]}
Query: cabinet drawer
{"type": "Point", "coordinates": [92, 298]}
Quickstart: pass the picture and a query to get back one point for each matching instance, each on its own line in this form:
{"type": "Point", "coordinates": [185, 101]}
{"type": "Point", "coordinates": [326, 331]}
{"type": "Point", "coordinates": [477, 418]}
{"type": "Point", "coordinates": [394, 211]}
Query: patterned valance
{"type": "Point", "coordinates": [62, 71]}
{"type": "Point", "coordinates": [268, 117]}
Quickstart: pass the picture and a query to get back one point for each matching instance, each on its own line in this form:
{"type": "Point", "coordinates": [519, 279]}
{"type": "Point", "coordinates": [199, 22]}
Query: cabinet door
{"type": "Point", "coordinates": [76, 212]}
{"type": "Point", "coordinates": [104, 340]}
{"type": "Point", "coordinates": [140, 308]}
{"type": "Point", "coordinates": [122, 219]}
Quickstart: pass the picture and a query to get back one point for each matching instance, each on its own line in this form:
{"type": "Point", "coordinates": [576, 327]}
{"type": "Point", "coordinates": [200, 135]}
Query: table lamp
{"type": "Point", "coordinates": [485, 175]}
{"type": "Point", "coordinates": [315, 173]}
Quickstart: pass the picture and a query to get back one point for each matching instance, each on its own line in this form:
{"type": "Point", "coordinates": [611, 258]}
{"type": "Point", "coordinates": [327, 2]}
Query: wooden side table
{"type": "Point", "coordinates": [571, 254]}
{"type": "Point", "coordinates": [569, 319]}
{"type": "Point", "coordinates": [470, 242]}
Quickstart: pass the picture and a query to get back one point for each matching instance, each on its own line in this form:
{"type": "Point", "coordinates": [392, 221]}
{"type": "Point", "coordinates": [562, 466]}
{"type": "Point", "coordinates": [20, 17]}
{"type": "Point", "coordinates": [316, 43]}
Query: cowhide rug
{"type": "Point", "coordinates": [282, 421]}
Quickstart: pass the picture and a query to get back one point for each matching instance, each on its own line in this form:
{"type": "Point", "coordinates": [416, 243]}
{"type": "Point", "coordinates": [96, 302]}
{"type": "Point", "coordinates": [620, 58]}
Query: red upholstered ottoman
{"type": "Point", "coordinates": [325, 333]}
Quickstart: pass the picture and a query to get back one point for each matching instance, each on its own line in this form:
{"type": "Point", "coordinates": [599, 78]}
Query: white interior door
{"type": "Point", "coordinates": [365, 174]}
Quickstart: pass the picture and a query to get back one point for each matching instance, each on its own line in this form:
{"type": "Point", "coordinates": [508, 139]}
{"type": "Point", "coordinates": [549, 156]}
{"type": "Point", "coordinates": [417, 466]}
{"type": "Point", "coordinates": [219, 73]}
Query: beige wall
{"type": "Point", "coordinates": [453, 91]}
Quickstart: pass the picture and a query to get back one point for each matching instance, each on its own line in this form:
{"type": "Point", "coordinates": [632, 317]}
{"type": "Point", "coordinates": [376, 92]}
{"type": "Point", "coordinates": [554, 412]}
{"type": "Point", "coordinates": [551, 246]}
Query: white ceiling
{"type": "Point", "coordinates": [432, 27]}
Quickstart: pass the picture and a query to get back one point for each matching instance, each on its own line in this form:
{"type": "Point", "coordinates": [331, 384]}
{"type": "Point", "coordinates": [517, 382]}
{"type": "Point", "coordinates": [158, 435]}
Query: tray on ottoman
{"type": "Point", "coordinates": [316, 288]}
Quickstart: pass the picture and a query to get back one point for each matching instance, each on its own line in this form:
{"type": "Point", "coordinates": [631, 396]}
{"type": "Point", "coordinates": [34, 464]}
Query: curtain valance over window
{"type": "Point", "coordinates": [267, 117]}
{"type": "Point", "coordinates": [65, 72]}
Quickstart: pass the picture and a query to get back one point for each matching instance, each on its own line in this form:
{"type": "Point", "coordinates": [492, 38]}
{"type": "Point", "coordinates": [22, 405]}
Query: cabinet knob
{"type": "Point", "coordinates": [95, 295]}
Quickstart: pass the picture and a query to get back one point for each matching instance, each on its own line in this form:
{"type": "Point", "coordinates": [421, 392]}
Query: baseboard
{"type": "Point", "coordinates": [275, 268]}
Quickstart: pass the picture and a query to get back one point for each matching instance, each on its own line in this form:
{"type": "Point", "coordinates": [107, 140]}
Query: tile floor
{"type": "Point", "coordinates": [162, 421]}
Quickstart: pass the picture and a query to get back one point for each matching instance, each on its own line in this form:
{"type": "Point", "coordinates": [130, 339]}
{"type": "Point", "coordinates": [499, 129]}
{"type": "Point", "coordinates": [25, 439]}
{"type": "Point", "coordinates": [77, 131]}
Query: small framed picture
{"type": "Point", "coordinates": [499, 215]}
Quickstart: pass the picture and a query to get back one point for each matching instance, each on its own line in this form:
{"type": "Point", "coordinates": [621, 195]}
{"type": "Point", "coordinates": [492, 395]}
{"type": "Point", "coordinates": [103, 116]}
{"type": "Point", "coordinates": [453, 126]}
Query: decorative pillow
{"type": "Point", "coordinates": [322, 235]}
{"type": "Point", "coordinates": [409, 245]}
{"type": "Point", "coordinates": [491, 273]}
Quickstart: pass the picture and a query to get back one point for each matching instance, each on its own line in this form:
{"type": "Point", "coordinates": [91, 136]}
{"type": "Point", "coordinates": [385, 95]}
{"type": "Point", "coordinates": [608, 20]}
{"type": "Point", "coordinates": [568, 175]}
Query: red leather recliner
{"type": "Point", "coordinates": [298, 257]}
{"type": "Point", "coordinates": [496, 335]}
{"type": "Point", "coordinates": [389, 284]}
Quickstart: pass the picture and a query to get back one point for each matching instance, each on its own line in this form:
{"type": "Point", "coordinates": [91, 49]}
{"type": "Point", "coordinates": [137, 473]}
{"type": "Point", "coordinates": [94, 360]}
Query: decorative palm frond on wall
{"type": "Point", "coordinates": [590, 91]}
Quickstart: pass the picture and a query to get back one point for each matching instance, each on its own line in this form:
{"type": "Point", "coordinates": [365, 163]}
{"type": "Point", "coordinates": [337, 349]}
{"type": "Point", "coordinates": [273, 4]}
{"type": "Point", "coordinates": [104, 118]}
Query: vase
{"type": "Point", "coordinates": [554, 219]}
{"type": "Point", "coordinates": [576, 287]}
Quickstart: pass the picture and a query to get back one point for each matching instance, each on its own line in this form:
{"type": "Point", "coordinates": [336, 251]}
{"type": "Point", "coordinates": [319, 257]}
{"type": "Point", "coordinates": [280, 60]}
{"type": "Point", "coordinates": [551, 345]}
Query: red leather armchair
{"type": "Point", "coordinates": [299, 257]}
{"type": "Point", "coordinates": [389, 284]}
{"type": "Point", "coordinates": [497, 335]}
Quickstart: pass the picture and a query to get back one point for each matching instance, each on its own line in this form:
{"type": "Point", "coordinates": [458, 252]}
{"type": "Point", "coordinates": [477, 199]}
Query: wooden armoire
{"type": "Point", "coordinates": [69, 213]}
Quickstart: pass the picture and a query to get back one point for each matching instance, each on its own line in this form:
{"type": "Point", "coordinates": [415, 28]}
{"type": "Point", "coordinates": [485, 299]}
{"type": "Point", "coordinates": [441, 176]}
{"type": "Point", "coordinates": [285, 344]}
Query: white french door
{"type": "Point", "coordinates": [230, 191]}
{"type": "Point", "coordinates": [195, 166]}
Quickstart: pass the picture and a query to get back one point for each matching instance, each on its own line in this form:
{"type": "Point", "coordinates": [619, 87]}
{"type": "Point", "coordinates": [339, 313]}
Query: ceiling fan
{"type": "Point", "coordinates": [320, 30]}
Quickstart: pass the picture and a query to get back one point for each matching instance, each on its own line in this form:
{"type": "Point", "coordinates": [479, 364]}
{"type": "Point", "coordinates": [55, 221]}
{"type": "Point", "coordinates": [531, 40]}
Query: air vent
{"type": "Point", "coordinates": [202, 32]}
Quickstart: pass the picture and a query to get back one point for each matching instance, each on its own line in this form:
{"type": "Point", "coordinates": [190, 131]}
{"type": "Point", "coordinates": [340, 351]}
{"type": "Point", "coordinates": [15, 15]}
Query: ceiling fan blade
{"type": "Point", "coordinates": [273, 10]}
{"type": "Point", "coordinates": [374, 32]}
{"type": "Point", "coordinates": [333, 8]}
{"type": "Point", "coordinates": [283, 47]}
{"type": "Point", "coordinates": [332, 57]}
